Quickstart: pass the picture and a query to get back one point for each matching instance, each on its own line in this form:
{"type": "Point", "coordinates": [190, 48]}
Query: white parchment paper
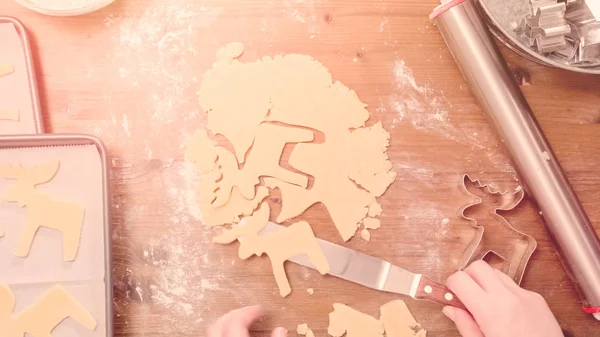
{"type": "Point", "coordinates": [14, 88]}
{"type": "Point", "coordinates": [79, 180]}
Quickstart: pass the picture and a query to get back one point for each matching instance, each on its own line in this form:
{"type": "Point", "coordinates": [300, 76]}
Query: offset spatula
{"type": "Point", "coordinates": [375, 273]}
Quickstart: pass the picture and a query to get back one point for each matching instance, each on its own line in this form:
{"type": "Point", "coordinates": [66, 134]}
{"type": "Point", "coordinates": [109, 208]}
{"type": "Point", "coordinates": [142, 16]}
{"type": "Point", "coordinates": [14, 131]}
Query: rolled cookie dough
{"type": "Point", "coordinates": [350, 167]}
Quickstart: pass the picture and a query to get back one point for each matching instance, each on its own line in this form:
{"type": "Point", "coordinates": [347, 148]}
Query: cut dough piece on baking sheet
{"type": "Point", "coordinates": [399, 322]}
{"type": "Point", "coordinates": [41, 318]}
{"type": "Point", "coordinates": [9, 114]}
{"type": "Point", "coordinates": [6, 69]}
{"type": "Point", "coordinates": [297, 239]}
{"type": "Point", "coordinates": [351, 167]}
{"type": "Point", "coordinates": [353, 323]}
{"type": "Point", "coordinates": [42, 209]}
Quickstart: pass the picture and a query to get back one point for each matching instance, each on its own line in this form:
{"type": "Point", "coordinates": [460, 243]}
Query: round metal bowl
{"type": "Point", "coordinates": [70, 8]}
{"type": "Point", "coordinates": [501, 16]}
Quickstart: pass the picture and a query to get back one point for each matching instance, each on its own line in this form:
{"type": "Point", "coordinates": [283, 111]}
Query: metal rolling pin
{"type": "Point", "coordinates": [494, 87]}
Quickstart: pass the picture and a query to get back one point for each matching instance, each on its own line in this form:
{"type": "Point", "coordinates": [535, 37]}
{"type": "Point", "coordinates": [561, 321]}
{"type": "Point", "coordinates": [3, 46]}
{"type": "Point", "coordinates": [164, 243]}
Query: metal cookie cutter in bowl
{"type": "Point", "coordinates": [494, 235]}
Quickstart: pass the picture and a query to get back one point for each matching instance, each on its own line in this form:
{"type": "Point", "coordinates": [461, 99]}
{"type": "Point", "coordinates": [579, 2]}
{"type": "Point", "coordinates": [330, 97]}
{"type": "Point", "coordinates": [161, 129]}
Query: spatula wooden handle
{"type": "Point", "coordinates": [436, 292]}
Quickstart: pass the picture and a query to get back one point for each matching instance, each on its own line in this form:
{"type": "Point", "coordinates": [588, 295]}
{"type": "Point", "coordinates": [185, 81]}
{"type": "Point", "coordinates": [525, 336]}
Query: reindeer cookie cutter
{"type": "Point", "coordinates": [494, 235]}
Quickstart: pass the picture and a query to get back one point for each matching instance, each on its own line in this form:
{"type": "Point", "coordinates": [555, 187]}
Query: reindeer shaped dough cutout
{"type": "Point", "coordinates": [43, 210]}
{"type": "Point", "coordinates": [294, 240]}
{"type": "Point", "coordinates": [41, 318]}
{"type": "Point", "coordinates": [493, 234]}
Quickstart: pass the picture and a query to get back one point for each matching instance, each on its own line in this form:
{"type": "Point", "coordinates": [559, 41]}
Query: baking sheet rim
{"type": "Point", "coordinates": [49, 140]}
{"type": "Point", "coordinates": [33, 88]}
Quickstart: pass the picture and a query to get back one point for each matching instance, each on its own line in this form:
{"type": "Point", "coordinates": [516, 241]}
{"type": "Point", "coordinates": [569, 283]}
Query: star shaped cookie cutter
{"type": "Point", "coordinates": [494, 235]}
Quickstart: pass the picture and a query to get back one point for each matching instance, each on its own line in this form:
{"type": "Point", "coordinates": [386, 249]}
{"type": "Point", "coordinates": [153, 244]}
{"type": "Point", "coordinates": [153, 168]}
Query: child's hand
{"type": "Point", "coordinates": [499, 307]}
{"type": "Point", "coordinates": [238, 322]}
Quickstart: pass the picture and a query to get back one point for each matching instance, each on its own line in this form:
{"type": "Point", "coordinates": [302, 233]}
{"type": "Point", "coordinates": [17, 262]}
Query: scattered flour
{"type": "Point", "coordinates": [150, 53]}
{"type": "Point", "coordinates": [419, 105]}
{"type": "Point", "coordinates": [304, 11]}
{"type": "Point", "coordinates": [180, 283]}
{"type": "Point", "coordinates": [382, 25]}
{"type": "Point", "coordinates": [427, 110]}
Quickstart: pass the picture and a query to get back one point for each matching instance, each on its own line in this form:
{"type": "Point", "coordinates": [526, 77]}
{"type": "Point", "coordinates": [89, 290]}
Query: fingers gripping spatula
{"type": "Point", "coordinates": [494, 86]}
{"type": "Point", "coordinates": [375, 273]}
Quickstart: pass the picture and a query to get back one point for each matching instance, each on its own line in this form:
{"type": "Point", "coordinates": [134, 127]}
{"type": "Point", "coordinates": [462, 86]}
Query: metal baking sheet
{"type": "Point", "coordinates": [19, 89]}
{"type": "Point", "coordinates": [81, 179]}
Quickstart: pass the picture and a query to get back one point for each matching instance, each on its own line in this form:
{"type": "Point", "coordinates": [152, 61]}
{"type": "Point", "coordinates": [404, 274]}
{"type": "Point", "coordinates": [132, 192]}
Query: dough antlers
{"type": "Point", "coordinates": [40, 319]}
{"type": "Point", "coordinates": [43, 211]}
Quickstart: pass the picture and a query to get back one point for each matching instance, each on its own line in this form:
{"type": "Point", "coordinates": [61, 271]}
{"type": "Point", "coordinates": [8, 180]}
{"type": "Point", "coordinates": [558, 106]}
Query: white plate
{"type": "Point", "coordinates": [70, 7]}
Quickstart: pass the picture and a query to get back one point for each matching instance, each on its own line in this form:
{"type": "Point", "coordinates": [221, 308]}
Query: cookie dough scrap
{"type": "Point", "coordinates": [304, 330]}
{"type": "Point", "coordinates": [365, 234]}
{"type": "Point", "coordinates": [41, 318]}
{"type": "Point", "coordinates": [341, 166]}
{"type": "Point", "coordinates": [208, 159]}
{"type": "Point", "coordinates": [9, 114]}
{"type": "Point", "coordinates": [263, 160]}
{"type": "Point", "coordinates": [353, 323]}
{"type": "Point", "coordinates": [372, 223]}
{"type": "Point", "coordinates": [219, 200]}
{"type": "Point", "coordinates": [396, 321]}
{"type": "Point", "coordinates": [296, 239]}
{"type": "Point", "coordinates": [399, 322]}
{"type": "Point", "coordinates": [351, 167]}
{"type": "Point", "coordinates": [43, 210]}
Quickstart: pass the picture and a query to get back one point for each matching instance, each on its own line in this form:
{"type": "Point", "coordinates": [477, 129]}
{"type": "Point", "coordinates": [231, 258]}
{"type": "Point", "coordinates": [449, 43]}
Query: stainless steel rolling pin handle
{"type": "Point", "coordinates": [493, 85]}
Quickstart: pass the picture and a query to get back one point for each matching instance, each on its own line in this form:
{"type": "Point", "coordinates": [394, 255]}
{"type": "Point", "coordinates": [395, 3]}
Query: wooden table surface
{"type": "Point", "coordinates": [128, 74]}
